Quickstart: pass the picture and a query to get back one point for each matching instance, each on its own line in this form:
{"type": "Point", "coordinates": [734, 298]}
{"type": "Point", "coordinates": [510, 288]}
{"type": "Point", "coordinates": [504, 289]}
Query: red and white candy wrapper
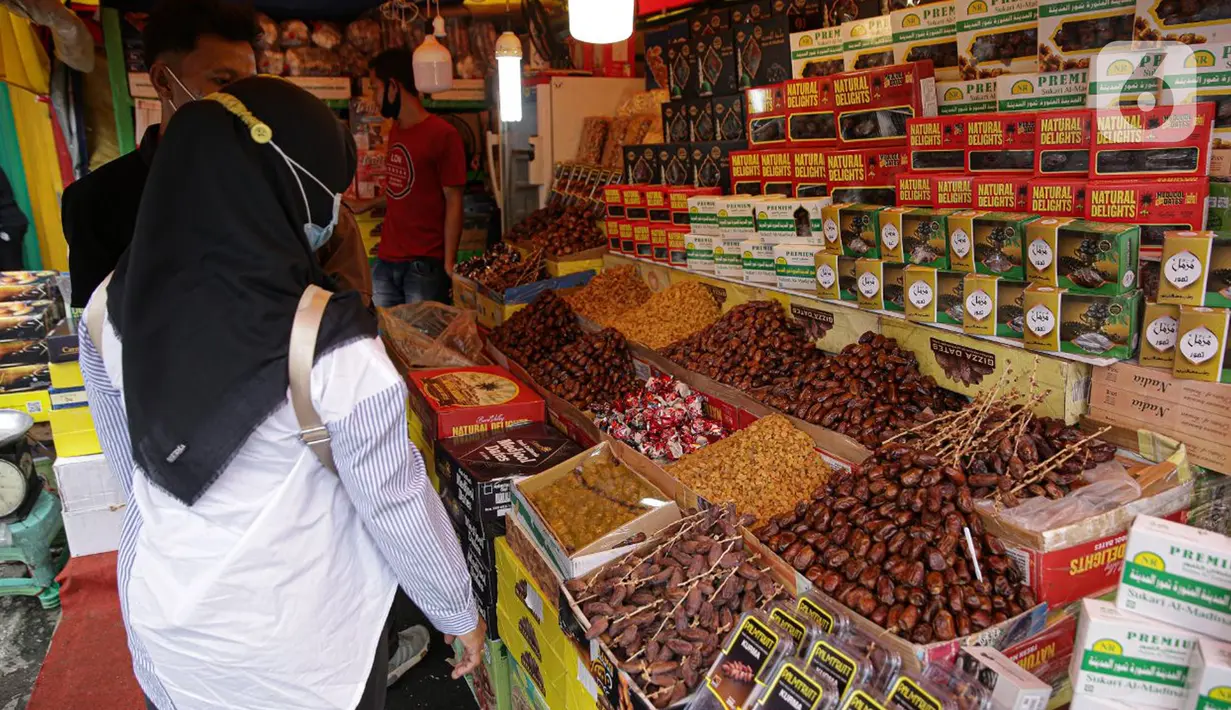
{"type": "Point", "coordinates": [664, 421]}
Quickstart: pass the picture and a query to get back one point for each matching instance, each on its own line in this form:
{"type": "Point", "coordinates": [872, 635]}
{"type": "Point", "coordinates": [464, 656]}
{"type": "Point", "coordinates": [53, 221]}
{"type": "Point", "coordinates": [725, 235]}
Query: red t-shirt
{"type": "Point", "coordinates": [421, 161]}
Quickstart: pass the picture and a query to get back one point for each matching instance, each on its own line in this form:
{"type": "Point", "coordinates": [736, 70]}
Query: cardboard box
{"type": "Point", "coordinates": [988, 242]}
{"type": "Point", "coordinates": [963, 96]}
{"type": "Point", "coordinates": [1081, 256]}
{"type": "Point", "coordinates": [62, 343]}
{"type": "Point", "coordinates": [1157, 206]}
{"type": "Point", "coordinates": [641, 165]}
{"type": "Point", "coordinates": [1194, 269]}
{"type": "Point", "coordinates": [1009, 684]}
{"type": "Point", "coordinates": [770, 29]}
{"type": "Point", "coordinates": [703, 214]}
{"type": "Point", "coordinates": [1062, 143]}
{"type": "Point", "coordinates": [766, 111]}
{"type": "Point", "coordinates": [1000, 143]}
{"type": "Point", "coordinates": [677, 246]}
{"type": "Point", "coordinates": [1056, 196]}
{"type": "Point", "coordinates": [776, 173]}
{"type": "Point", "coordinates": [867, 43]}
{"type": "Point", "coordinates": [758, 264]}
{"type": "Point", "coordinates": [852, 229]}
{"type": "Point", "coordinates": [1081, 324]}
{"type": "Point", "coordinates": [29, 320]}
{"type": "Point", "coordinates": [1164, 141]}
{"type": "Point", "coordinates": [602, 550]}
{"type": "Point", "coordinates": [997, 37]}
{"type": "Point", "coordinates": [835, 277]}
{"type": "Point", "coordinates": [1129, 658]}
{"type": "Point", "coordinates": [791, 221]}
{"type": "Point", "coordinates": [469, 400]}
{"type": "Point", "coordinates": [713, 44]}
{"type": "Point", "coordinates": [675, 164]}
{"type": "Point", "coordinates": [1043, 91]}
{"type": "Point", "coordinates": [681, 66]}
{"type": "Point", "coordinates": [795, 265]}
{"type": "Point", "coordinates": [657, 54]}
{"type": "Point", "coordinates": [915, 235]}
{"type": "Point", "coordinates": [1072, 34]}
{"type": "Point", "coordinates": [14, 353]}
{"type": "Point", "coordinates": [1212, 85]}
{"type": "Point", "coordinates": [702, 127]}
{"type": "Point", "coordinates": [1160, 387]}
{"type": "Point", "coordinates": [1126, 76]}
{"type": "Point", "coordinates": [927, 32]}
{"type": "Point", "coordinates": [643, 245]}
{"type": "Point", "coordinates": [729, 119]}
{"type": "Point", "coordinates": [1209, 675]}
{"type": "Point", "coordinates": [992, 306]}
{"type": "Point", "coordinates": [953, 191]}
{"type": "Point", "coordinates": [1201, 344]}
{"type": "Point", "coordinates": [1002, 193]}
{"type": "Point", "coordinates": [729, 258]}
{"type": "Point", "coordinates": [867, 118]}
{"type": "Point", "coordinates": [711, 164]}
{"type": "Point", "coordinates": [1176, 574]}
{"type": "Point", "coordinates": [919, 284]}
{"type": "Point", "coordinates": [937, 144]}
{"type": "Point", "coordinates": [1159, 21]}
{"type": "Point", "coordinates": [678, 202]}
{"type": "Point", "coordinates": [816, 53]}
{"type": "Point", "coordinates": [737, 216]}
{"type": "Point", "coordinates": [675, 121]}
{"type": "Point", "coordinates": [746, 172]}
{"type": "Point", "coordinates": [699, 252]}
{"type": "Point", "coordinates": [879, 285]}
{"type": "Point", "coordinates": [1159, 328]}
{"type": "Point", "coordinates": [1046, 655]}
{"type": "Point", "coordinates": [811, 178]}
{"type": "Point", "coordinates": [810, 113]}
{"type": "Point", "coordinates": [866, 176]}
{"type": "Point", "coordinates": [1158, 414]}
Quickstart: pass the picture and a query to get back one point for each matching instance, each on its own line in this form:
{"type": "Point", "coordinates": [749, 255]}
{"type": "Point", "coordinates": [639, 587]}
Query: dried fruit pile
{"type": "Point", "coordinates": [536, 331]}
{"type": "Point", "coordinates": [868, 391]}
{"type": "Point", "coordinates": [669, 315]}
{"type": "Point", "coordinates": [592, 372]}
{"type": "Point", "coordinates": [560, 230]}
{"type": "Point", "coordinates": [751, 347]}
{"type": "Point", "coordinates": [665, 610]}
{"type": "Point", "coordinates": [609, 294]}
{"type": "Point", "coordinates": [764, 469]}
{"type": "Point", "coordinates": [591, 501]}
{"type": "Point", "coordinates": [664, 421]}
{"type": "Point", "coordinates": [502, 267]}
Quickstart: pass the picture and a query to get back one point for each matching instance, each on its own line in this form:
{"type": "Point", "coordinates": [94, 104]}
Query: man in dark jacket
{"type": "Point", "coordinates": [13, 225]}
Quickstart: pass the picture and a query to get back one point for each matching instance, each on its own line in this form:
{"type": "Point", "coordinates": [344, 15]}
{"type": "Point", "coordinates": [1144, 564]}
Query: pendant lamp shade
{"type": "Point", "coordinates": [433, 65]}
{"type": "Point", "coordinates": [508, 67]}
{"type": "Point", "coordinates": [600, 21]}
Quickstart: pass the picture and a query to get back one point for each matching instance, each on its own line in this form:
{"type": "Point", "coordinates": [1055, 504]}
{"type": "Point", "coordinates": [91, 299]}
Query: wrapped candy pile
{"type": "Point", "coordinates": [664, 420]}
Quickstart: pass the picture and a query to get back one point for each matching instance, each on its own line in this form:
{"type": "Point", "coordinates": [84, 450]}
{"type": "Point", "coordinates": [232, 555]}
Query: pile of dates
{"type": "Point", "coordinates": [889, 542]}
{"type": "Point", "coordinates": [560, 229]}
{"type": "Point", "coordinates": [869, 391]}
{"type": "Point", "coordinates": [665, 610]}
{"type": "Point", "coordinates": [502, 267]}
{"type": "Point", "coordinates": [751, 347]}
{"type": "Point", "coordinates": [593, 372]}
{"type": "Point", "coordinates": [538, 330]}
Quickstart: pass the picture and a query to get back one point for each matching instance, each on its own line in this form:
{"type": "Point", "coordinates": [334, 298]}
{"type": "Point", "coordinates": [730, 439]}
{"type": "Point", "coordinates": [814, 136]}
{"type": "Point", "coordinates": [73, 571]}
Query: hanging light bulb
{"type": "Point", "coordinates": [508, 67]}
{"type": "Point", "coordinates": [433, 65]}
{"type": "Point", "coordinates": [600, 21]}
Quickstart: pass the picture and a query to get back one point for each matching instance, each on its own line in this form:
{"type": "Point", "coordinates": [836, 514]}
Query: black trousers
{"type": "Point", "coordinates": [373, 697]}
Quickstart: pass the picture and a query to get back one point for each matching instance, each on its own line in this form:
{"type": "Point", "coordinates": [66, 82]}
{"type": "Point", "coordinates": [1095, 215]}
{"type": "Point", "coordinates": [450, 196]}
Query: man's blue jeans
{"type": "Point", "coordinates": [398, 282]}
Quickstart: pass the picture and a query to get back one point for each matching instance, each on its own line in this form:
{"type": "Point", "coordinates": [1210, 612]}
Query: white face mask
{"type": "Point", "coordinates": [315, 234]}
{"type": "Point", "coordinates": [191, 95]}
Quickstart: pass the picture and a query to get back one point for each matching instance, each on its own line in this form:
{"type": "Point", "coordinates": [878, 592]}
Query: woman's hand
{"type": "Point", "coordinates": [472, 649]}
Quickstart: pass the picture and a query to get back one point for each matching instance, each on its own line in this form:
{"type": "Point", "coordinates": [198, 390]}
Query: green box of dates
{"type": "Point", "coordinates": [1057, 320]}
{"type": "Point", "coordinates": [852, 229]}
{"type": "Point", "coordinates": [1081, 256]}
{"type": "Point", "coordinates": [915, 235]}
{"type": "Point", "coordinates": [989, 243]}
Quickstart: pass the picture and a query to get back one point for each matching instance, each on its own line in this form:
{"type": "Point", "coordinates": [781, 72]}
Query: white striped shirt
{"type": "Point", "coordinates": [272, 590]}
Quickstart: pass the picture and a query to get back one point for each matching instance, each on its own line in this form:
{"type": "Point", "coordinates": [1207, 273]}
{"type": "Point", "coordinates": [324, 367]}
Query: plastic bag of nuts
{"type": "Point", "coordinates": [765, 469]}
{"type": "Point", "coordinates": [669, 315]}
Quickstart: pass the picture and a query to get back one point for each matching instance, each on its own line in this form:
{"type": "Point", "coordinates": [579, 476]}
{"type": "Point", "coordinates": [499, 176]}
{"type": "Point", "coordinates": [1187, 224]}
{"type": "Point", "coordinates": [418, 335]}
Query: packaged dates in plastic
{"type": "Point", "coordinates": [748, 658]}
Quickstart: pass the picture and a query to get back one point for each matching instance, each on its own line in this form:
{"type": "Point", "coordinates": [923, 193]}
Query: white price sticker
{"type": "Point", "coordinates": [1161, 332]}
{"type": "Point", "coordinates": [920, 294]}
{"type": "Point", "coordinates": [869, 284]}
{"type": "Point", "coordinates": [1040, 321]}
{"type": "Point", "coordinates": [889, 236]}
{"type": "Point", "coordinates": [959, 242]}
{"type": "Point", "coordinates": [831, 231]}
{"type": "Point", "coordinates": [825, 276]}
{"type": "Point", "coordinates": [1183, 270]}
{"type": "Point", "coordinates": [1040, 254]}
{"type": "Point", "coordinates": [1199, 345]}
{"type": "Point", "coordinates": [979, 304]}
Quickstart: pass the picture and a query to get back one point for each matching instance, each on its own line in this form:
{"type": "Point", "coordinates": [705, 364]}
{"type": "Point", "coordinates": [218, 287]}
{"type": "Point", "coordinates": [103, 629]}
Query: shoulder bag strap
{"type": "Point", "coordinates": [96, 315]}
{"type": "Point", "coordinates": [300, 359]}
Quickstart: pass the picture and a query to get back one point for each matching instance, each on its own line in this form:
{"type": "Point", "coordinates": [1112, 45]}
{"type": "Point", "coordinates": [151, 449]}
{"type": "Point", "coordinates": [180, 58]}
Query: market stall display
{"type": "Point", "coordinates": [536, 331]}
{"type": "Point", "coordinates": [560, 229]}
{"type": "Point", "coordinates": [664, 420]}
{"type": "Point", "coordinates": [503, 266]}
{"type": "Point", "coordinates": [609, 294]}
{"type": "Point", "coordinates": [592, 372]}
{"type": "Point", "coordinates": [669, 316]}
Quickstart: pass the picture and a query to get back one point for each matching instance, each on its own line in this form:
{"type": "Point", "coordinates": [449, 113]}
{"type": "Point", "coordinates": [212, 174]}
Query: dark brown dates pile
{"type": "Point", "coordinates": [665, 610]}
{"type": "Point", "coordinates": [560, 229]}
{"type": "Point", "coordinates": [868, 391]}
{"type": "Point", "coordinates": [889, 543]}
{"type": "Point", "coordinates": [593, 371]}
{"type": "Point", "coordinates": [538, 330]}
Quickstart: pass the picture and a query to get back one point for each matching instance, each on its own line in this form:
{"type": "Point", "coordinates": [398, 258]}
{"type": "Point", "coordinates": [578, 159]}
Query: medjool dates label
{"type": "Point", "coordinates": [1040, 320]}
{"type": "Point", "coordinates": [1199, 345]}
{"type": "Point", "coordinates": [1040, 254]}
{"type": "Point", "coordinates": [979, 304]}
{"type": "Point", "coordinates": [920, 294]}
{"type": "Point", "coordinates": [1183, 269]}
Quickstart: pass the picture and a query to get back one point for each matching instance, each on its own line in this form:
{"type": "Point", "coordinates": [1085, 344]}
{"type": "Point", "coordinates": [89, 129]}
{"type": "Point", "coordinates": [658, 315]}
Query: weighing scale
{"type": "Point", "coordinates": [30, 517]}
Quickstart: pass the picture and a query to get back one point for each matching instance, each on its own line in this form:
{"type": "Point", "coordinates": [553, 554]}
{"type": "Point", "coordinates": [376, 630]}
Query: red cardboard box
{"type": "Point", "coordinates": [658, 209]}
{"type": "Point", "coordinates": [677, 251]}
{"type": "Point", "coordinates": [1046, 655]}
{"type": "Point", "coordinates": [766, 110]}
{"type": "Point", "coordinates": [1159, 205]}
{"type": "Point", "coordinates": [613, 196]}
{"type": "Point", "coordinates": [915, 190]}
{"type": "Point", "coordinates": [1000, 143]}
{"type": "Point", "coordinates": [777, 168]}
{"type": "Point", "coordinates": [643, 244]}
{"type": "Point", "coordinates": [810, 113]}
{"type": "Point", "coordinates": [1001, 193]}
{"type": "Point", "coordinates": [1062, 142]}
{"type": "Point", "coordinates": [746, 172]}
{"type": "Point", "coordinates": [635, 213]}
{"type": "Point", "coordinates": [613, 235]}
{"type": "Point", "coordinates": [1166, 140]}
{"type": "Point", "coordinates": [458, 401]}
{"type": "Point", "coordinates": [937, 144]}
{"type": "Point", "coordinates": [809, 175]}
{"type": "Point", "coordinates": [867, 176]}
{"type": "Point", "coordinates": [872, 106]}
{"type": "Point", "coordinates": [677, 198]}
{"type": "Point", "coordinates": [953, 191]}
{"type": "Point", "coordinates": [1057, 197]}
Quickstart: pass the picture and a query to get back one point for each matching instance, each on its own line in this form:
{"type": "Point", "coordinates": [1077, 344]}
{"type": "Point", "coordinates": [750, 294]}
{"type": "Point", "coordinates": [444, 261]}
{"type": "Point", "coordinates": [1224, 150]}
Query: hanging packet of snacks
{"type": "Point", "coordinates": [664, 421]}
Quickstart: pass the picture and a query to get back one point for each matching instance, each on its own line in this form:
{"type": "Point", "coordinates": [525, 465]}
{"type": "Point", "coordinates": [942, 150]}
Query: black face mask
{"type": "Point", "coordinates": [391, 109]}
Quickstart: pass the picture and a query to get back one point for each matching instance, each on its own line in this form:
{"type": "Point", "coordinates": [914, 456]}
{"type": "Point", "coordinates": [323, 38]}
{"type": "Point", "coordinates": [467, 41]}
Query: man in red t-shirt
{"type": "Point", "coordinates": [425, 173]}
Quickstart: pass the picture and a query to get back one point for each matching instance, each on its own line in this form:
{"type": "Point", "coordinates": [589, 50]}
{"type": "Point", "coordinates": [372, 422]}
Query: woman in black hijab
{"type": "Point", "coordinates": [250, 575]}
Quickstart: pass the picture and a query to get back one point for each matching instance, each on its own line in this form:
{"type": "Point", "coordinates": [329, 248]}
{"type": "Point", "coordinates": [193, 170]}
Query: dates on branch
{"type": "Point", "coordinates": [502, 267]}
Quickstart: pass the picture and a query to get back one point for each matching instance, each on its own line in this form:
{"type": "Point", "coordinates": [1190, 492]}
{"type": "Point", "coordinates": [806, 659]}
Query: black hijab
{"type": "Point", "coordinates": [206, 296]}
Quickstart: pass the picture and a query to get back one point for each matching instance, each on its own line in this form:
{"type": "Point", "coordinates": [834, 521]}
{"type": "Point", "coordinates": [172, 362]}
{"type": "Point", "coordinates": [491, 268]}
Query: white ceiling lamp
{"type": "Point", "coordinates": [600, 21]}
{"type": "Point", "coordinates": [508, 68]}
{"type": "Point", "coordinates": [432, 62]}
